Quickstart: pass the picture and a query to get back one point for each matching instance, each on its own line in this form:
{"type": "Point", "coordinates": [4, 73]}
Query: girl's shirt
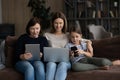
{"type": "Point", "coordinates": [82, 46]}
{"type": "Point", "coordinates": [25, 39]}
{"type": "Point", "coordinates": [57, 41]}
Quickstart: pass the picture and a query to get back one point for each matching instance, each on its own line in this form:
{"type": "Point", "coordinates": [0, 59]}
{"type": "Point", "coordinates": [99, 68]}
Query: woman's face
{"type": "Point", "coordinates": [58, 24]}
{"type": "Point", "coordinates": [75, 38]}
{"type": "Point", "coordinates": [35, 30]}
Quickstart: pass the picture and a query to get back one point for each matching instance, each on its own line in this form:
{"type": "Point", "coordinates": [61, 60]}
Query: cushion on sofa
{"type": "Point", "coordinates": [112, 74]}
{"type": "Point", "coordinates": [10, 74]}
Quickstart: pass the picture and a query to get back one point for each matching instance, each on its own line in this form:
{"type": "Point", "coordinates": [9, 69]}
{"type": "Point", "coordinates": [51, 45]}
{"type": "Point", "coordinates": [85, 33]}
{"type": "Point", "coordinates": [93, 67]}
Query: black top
{"type": "Point", "coordinates": [25, 39]}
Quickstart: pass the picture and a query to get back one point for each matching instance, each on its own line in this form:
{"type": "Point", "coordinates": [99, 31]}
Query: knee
{"type": "Point", "coordinates": [51, 65]}
{"type": "Point", "coordinates": [30, 69]}
{"type": "Point", "coordinates": [78, 67]}
{"type": "Point", "coordinates": [63, 65]}
{"type": "Point", "coordinates": [106, 62]}
{"type": "Point", "coordinates": [38, 63]}
{"type": "Point", "coordinates": [75, 67]}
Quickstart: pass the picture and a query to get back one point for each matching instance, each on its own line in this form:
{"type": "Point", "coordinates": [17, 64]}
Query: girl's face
{"type": "Point", "coordinates": [75, 38]}
{"type": "Point", "coordinates": [58, 24]}
{"type": "Point", "coordinates": [35, 30]}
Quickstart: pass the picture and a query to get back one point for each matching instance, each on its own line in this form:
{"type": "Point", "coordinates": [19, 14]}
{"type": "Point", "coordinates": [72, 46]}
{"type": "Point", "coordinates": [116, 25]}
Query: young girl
{"type": "Point", "coordinates": [81, 53]}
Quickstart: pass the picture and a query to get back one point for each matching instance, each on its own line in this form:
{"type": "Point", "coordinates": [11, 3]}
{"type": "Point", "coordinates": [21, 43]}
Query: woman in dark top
{"type": "Point", "coordinates": [32, 70]}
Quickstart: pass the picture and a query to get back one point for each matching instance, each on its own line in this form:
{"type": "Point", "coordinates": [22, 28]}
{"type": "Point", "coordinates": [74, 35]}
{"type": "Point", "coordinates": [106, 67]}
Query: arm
{"type": "Point", "coordinates": [89, 48]}
{"type": "Point", "coordinates": [20, 49]}
{"type": "Point", "coordinates": [89, 51]}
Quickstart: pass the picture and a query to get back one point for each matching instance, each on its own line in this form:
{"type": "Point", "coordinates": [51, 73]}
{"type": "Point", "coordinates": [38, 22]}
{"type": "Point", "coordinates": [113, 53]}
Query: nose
{"type": "Point", "coordinates": [74, 38]}
{"type": "Point", "coordinates": [35, 31]}
{"type": "Point", "coordinates": [58, 25]}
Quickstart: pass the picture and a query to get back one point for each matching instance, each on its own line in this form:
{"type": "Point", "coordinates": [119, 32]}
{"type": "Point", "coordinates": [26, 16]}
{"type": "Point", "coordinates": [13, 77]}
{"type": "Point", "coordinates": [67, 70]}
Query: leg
{"type": "Point", "coordinates": [83, 66]}
{"type": "Point", "coordinates": [61, 71]}
{"type": "Point", "coordinates": [50, 70]}
{"type": "Point", "coordinates": [26, 68]}
{"type": "Point", "coordinates": [100, 61]}
{"type": "Point", "coordinates": [39, 70]}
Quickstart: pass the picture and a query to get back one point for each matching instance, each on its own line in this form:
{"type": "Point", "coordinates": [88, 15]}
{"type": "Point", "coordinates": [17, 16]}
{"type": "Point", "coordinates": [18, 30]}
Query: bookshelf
{"type": "Point", "coordinates": [98, 12]}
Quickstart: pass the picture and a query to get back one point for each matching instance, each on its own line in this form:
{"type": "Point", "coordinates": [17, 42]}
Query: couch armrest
{"type": "Point", "coordinates": [10, 42]}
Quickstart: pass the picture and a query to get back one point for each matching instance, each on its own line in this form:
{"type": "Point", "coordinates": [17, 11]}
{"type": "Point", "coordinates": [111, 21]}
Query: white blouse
{"type": "Point", "coordinates": [57, 41]}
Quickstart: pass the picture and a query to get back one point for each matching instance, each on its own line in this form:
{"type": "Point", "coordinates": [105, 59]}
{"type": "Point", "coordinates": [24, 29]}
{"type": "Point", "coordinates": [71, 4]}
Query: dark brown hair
{"type": "Point", "coordinates": [31, 23]}
{"type": "Point", "coordinates": [59, 15]}
{"type": "Point", "coordinates": [75, 29]}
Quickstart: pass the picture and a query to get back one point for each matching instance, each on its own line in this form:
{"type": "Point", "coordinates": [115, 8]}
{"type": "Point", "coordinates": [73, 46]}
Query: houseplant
{"type": "Point", "coordinates": [39, 9]}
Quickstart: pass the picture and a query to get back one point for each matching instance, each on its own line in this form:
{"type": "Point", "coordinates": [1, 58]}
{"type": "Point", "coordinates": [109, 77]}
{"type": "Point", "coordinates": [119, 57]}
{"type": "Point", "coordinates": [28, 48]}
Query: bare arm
{"type": "Point", "coordinates": [89, 51]}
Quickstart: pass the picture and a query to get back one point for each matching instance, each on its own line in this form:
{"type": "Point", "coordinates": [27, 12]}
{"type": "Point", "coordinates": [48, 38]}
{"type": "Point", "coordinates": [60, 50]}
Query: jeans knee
{"type": "Point", "coordinates": [38, 64]}
{"type": "Point", "coordinates": [65, 64]}
{"type": "Point", "coordinates": [51, 65]}
{"type": "Point", "coordinates": [23, 66]}
{"type": "Point", "coordinates": [30, 69]}
{"type": "Point", "coordinates": [62, 64]}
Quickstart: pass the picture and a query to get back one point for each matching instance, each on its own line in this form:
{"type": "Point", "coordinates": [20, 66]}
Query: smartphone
{"type": "Point", "coordinates": [74, 48]}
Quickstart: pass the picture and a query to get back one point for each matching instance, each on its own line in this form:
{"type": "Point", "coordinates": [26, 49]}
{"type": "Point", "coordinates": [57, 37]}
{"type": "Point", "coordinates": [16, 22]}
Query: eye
{"type": "Point", "coordinates": [32, 28]}
{"type": "Point", "coordinates": [77, 36]}
{"type": "Point", "coordinates": [37, 28]}
{"type": "Point", "coordinates": [60, 23]}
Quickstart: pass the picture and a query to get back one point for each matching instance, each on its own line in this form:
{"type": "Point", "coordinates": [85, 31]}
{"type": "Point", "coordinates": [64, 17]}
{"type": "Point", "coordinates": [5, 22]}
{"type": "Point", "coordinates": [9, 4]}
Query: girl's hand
{"type": "Point", "coordinates": [26, 56]}
{"type": "Point", "coordinates": [71, 53]}
{"type": "Point", "coordinates": [41, 54]}
{"type": "Point", "coordinates": [79, 51]}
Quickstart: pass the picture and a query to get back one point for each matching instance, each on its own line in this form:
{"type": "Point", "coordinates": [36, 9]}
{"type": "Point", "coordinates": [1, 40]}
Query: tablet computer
{"type": "Point", "coordinates": [34, 49]}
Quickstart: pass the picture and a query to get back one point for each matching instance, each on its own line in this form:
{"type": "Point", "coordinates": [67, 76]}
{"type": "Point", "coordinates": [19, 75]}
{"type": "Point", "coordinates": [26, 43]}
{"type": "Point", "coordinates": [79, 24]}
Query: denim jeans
{"type": "Point", "coordinates": [33, 70]}
{"type": "Point", "coordinates": [56, 71]}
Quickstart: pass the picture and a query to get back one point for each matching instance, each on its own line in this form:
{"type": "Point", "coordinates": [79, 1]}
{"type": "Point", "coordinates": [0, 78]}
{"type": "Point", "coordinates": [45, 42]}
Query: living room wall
{"type": "Point", "coordinates": [0, 12]}
{"type": "Point", "coordinates": [16, 12]}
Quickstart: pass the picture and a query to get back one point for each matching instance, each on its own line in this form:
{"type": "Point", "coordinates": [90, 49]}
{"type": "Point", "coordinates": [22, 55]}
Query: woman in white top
{"type": "Point", "coordinates": [57, 38]}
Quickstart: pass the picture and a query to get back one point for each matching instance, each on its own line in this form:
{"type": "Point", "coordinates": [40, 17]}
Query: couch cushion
{"type": "Point", "coordinates": [112, 74]}
{"type": "Point", "coordinates": [9, 50]}
{"type": "Point", "coordinates": [10, 74]}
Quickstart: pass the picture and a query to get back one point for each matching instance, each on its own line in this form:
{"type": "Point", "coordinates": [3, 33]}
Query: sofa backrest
{"type": "Point", "coordinates": [109, 48]}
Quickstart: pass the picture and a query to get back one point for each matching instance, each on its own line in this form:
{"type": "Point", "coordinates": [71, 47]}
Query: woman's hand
{"type": "Point", "coordinates": [25, 56]}
{"type": "Point", "coordinates": [41, 54]}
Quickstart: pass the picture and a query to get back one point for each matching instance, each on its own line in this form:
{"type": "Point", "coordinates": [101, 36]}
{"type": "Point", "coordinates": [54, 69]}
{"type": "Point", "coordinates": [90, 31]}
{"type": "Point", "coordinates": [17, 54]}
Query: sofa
{"type": "Point", "coordinates": [109, 48]}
